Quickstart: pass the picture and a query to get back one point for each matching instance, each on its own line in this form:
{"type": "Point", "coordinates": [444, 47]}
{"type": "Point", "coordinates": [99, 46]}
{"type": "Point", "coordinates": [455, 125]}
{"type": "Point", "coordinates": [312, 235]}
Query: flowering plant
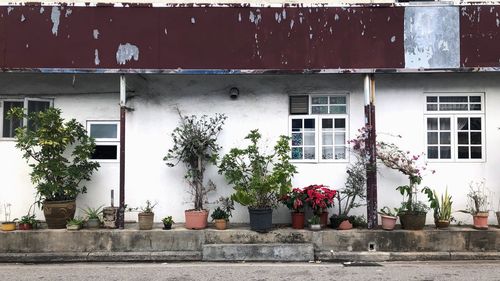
{"type": "Point", "coordinates": [295, 200]}
{"type": "Point", "coordinates": [393, 157]}
{"type": "Point", "coordinates": [319, 197]}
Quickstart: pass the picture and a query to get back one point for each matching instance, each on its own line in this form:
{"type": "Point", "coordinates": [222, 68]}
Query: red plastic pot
{"type": "Point", "coordinates": [298, 220]}
{"type": "Point", "coordinates": [25, 226]}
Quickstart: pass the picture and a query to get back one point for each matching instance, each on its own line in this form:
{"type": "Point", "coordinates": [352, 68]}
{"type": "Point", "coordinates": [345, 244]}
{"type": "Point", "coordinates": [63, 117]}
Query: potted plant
{"type": "Point", "coordinates": [221, 214]}
{"type": "Point", "coordinates": [314, 223]}
{"type": "Point", "coordinates": [27, 222]}
{"type": "Point", "coordinates": [167, 222]}
{"type": "Point", "coordinates": [478, 204]}
{"type": "Point", "coordinates": [58, 153]}
{"type": "Point", "coordinates": [295, 202]}
{"type": "Point", "coordinates": [93, 217]}
{"type": "Point", "coordinates": [498, 213]}
{"type": "Point", "coordinates": [146, 216]}
{"type": "Point", "coordinates": [412, 212]}
{"type": "Point", "coordinates": [388, 217]}
{"type": "Point", "coordinates": [75, 223]}
{"type": "Point", "coordinates": [259, 179]}
{"type": "Point", "coordinates": [195, 145]}
{"type": "Point", "coordinates": [441, 206]}
{"type": "Point", "coordinates": [320, 198]}
{"type": "Point", "coordinates": [8, 225]}
{"type": "Point", "coordinates": [352, 195]}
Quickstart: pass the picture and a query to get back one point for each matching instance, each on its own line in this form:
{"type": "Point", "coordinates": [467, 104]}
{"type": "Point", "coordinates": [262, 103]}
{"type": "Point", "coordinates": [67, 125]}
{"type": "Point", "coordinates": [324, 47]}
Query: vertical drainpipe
{"type": "Point", "coordinates": [123, 111]}
{"type": "Point", "coordinates": [371, 172]}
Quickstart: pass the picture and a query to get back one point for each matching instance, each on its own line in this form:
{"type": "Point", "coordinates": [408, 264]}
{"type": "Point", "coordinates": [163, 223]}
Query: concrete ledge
{"type": "Point", "coordinates": [258, 252]}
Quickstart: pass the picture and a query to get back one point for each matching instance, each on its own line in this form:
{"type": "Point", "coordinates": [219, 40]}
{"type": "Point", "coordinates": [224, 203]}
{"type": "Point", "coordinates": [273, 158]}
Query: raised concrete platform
{"type": "Point", "coordinates": [239, 243]}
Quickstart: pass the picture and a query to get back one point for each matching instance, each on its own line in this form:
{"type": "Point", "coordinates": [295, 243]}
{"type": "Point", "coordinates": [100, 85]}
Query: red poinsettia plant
{"type": "Point", "coordinates": [295, 200]}
{"type": "Point", "coordinates": [319, 197]}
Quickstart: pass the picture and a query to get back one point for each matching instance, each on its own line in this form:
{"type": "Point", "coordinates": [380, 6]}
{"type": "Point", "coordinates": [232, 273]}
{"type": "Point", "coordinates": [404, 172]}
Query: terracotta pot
{"type": "Point", "coordinates": [323, 218]}
{"type": "Point", "coordinates": [220, 224]}
{"type": "Point", "coordinates": [388, 222]}
{"type": "Point", "coordinates": [25, 226]}
{"type": "Point", "coordinates": [196, 219]}
{"type": "Point", "coordinates": [442, 223]}
{"type": "Point", "coordinates": [57, 213]}
{"type": "Point", "coordinates": [412, 221]}
{"type": "Point", "coordinates": [480, 220]}
{"type": "Point", "coordinates": [298, 220]}
{"type": "Point", "coordinates": [345, 225]}
{"type": "Point", "coordinates": [146, 221]}
{"type": "Point", "coordinates": [8, 226]}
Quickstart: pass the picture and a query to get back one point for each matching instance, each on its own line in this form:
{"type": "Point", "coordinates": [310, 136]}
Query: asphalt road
{"type": "Point", "coordinates": [483, 270]}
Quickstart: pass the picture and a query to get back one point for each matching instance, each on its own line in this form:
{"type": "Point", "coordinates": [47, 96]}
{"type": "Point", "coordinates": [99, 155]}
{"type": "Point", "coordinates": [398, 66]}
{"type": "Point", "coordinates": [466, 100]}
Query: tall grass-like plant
{"type": "Point", "coordinates": [440, 204]}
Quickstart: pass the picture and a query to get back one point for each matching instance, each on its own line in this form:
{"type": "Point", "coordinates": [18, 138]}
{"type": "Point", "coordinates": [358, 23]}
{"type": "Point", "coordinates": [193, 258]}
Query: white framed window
{"type": "Point", "coordinates": [107, 139]}
{"type": "Point", "coordinates": [31, 105]}
{"type": "Point", "coordinates": [455, 127]}
{"type": "Point", "coordinates": [319, 128]}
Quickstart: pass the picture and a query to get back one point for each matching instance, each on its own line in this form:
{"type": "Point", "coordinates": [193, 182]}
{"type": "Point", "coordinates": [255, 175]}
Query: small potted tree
{"type": "Point", "coordinates": [58, 153]}
{"type": "Point", "coordinates": [221, 214]}
{"type": "Point", "coordinates": [146, 216]}
{"type": "Point", "coordinates": [259, 179]}
{"type": "Point", "coordinates": [441, 206]}
{"type": "Point", "coordinates": [195, 145]}
{"type": "Point", "coordinates": [295, 202]}
{"type": "Point", "coordinates": [478, 204]}
{"type": "Point", "coordinates": [388, 217]}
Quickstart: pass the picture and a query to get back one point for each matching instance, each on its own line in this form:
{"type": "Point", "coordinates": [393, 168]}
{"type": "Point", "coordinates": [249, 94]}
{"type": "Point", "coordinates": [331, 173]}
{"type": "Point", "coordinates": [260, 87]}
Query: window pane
{"type": "Point", "coordinates": [432, 107]}
{"type": "Point", "coordinates": [432, 99]}
{"type": "Point", "coordinates": [105, 152]}
{"type": "Point", "coordinates": [445, 138]}
{"type": "Point", "coordinates": [432, 152]}
{"type": "Point", "coordinates": [432, 138]}
{"type": "Point", "coordinates": [453, 107]}
{"type": "Point", "coordinates": [338, 100]}
{"type": "Point", "coordinates": [432, 124]}
{"type": "Point", "coordinates": [338, 109]}
{"type": "Point", "coordinates": [445, 152]}
{"type": "Point", "coordinates": [475, 138]}
{"type": "Point", "coordinates": [104, 131]}
{"type": "Point", "coordinates": [475, 123]}
{"type": "Point", "coordinates": [444, 123]}
{"type": "Point", "coordinates": [475, 152]}
{"type": "Point", "coordinates": [475, 98]}
{"type": "Point", "coordinates": [296, 152]}
{"type": "Point", "coordinates": [339, 123]}
{"type": "Point", "coordinates": [339, 138]}
{"type": "Point", "coordinates": [36, 106]}
{"type": "Point", "coordinates": [309, 124]}
{"type": "Point", "coordinates": [319, 100]}
{"type": "Point", "coordinates": [320, 109]}
{"type": "Point", "coordinates": [463, 152]}
{"type": "Point", "coordinates": [296, 139]}
{"type": "Point", "coordinates": [327, 123]}
{"type": "Point", "coordinates": [296, 124]}
{"type": "Point", "coordinates": [453, 99]}
{"type": "Point", "coordinates": [475, 107]}
{"type": "Point", "coordinates": [309, 139]}
{"type": "Point", "coordinates": [309, 153]}
{"type": "Point", "coordinates": [462, 124]}
{"type": "Point", "coordinates": [340, 152]}
{"type": "Point", "coordinates": [463, 138]}
{"type": "Point", "coordinates": [327, 152]}
{"type": "Point", "coordinates": [10, 125]}
{"type": "Point", "coordinates": [327, 139]}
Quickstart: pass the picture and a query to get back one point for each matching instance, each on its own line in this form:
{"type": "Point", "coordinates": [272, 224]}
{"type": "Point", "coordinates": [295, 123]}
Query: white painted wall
{"type": "Point", "coordinates": [263, 104]}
